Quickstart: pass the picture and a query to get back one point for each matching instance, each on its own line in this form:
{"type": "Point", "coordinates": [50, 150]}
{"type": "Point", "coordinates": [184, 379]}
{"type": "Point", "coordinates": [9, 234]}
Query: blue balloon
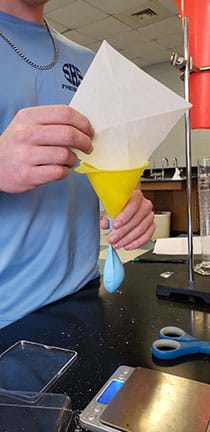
{"type": "Point", "coordinates": [114, 272]}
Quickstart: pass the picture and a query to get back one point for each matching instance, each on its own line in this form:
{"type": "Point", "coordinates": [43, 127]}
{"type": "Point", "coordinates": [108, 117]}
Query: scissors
{"type": "Point", "coordinates": [174, 342]}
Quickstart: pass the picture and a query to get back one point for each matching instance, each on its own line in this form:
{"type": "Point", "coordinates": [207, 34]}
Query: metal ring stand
{"type": "Point", "coordinates": [182, 287]}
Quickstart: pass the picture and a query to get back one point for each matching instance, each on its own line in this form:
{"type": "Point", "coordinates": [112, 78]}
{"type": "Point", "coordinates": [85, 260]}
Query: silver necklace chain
{"type": "Point", "coordinates": [26, 59]}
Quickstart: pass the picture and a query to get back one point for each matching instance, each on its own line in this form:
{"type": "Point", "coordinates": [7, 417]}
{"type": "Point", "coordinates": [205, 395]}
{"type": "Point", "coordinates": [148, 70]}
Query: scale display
{"type": "Point", "coordinates": [110, 392]}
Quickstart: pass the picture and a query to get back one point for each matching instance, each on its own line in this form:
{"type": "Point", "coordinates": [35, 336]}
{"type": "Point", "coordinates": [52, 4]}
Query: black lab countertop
{"type": "Point", "coordinates": [109, 330]}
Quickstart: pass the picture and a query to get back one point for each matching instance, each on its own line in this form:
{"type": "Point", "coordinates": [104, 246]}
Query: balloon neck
{"type": "Point", "coordinates": [110, 224]}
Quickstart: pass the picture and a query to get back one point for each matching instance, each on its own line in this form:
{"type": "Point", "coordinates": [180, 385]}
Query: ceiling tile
{"type": "Point", "coordinates": [132, 18]}
{"type": "Point", "coordinates": [164, 28]}
{"type": "Point", "coordinates": [115, 6]}
{"type": "Point", "coordinates": [169, 4]}
{"type": "Point", "coordinates": [91, 23]}
{"type": "Point", "coordinates": [171, 40]}
{"type": "Point", "coordinates": [126, 54]}
{"type": "Point", "coordinates": [158, 57]}
{"type": "Point", "coordinates": [76, 14]}
{"type": "Point", "coordinates": [140, 62]}
{"type": "Point", "coordinates": [78, 37]}
{"type": "Point", "coordinates": [126, 39]}
{"type": "Point", "coordinates": [144, 49]}
{"type": "Point", "coordinates": [94, 46]}
{"type": "Point", "coordinates": [105, 28]}
{"type": "Point", "coordinates": [56, 4]}
{"type": "Point", "coordinates": [179, 49]}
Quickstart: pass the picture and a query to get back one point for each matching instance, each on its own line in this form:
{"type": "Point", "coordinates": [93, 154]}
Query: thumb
{"type": "Point", "coordinates": [104, 224]}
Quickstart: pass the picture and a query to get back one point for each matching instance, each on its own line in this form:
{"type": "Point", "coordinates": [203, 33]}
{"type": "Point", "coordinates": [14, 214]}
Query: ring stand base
{"type": "Point", "coordinates": [179, 289]}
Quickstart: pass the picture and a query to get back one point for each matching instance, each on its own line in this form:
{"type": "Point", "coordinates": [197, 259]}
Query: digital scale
{"type": "Point", "coordinates": [144, 400]}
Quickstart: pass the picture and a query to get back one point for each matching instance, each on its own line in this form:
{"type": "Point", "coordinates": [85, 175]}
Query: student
{"type": "Point", "coordinates": [49, 218]}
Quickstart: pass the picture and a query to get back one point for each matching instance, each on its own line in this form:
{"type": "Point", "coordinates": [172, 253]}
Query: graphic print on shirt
{"type": "Point", "coordinates": [73, 75]}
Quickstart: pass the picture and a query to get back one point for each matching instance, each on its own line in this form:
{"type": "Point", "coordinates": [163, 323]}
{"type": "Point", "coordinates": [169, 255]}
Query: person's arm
{"type": "Point", "coordinates": [36, 147]}
{"type": "Point", "coordinates": [134, 226]}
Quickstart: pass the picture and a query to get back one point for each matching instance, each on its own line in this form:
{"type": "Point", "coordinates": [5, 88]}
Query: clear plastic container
{"type": "Point", "coordinates": [27, 371]}
{"type": "Point", "coordinates": [41, 412]}
{"type": "Point", "coordinates": [31, 367]}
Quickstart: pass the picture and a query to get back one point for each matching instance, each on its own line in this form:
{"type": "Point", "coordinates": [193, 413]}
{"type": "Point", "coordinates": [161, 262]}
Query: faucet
{"type": "Point", "coordinates": [175, 162]}
{"type": "Point", "coordinates": [164, 163]}
{"type": "Point", "coordinates": [177, 172]}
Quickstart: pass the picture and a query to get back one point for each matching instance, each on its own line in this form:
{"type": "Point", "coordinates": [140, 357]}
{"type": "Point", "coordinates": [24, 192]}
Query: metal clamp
{"type": "Point", "coordinates": [179, 62]}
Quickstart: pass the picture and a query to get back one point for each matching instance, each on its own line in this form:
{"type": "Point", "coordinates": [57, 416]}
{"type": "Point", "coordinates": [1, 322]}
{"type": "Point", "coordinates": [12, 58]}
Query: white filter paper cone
{"type": "Point", "coordinates": [130, 111]}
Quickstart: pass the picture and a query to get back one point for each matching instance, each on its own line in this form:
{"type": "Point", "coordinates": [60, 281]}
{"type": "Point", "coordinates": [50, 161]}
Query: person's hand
{"type": "Point", "coordinates": [134, 226]}
{"type": "Point", "coordinates": [36, 147]}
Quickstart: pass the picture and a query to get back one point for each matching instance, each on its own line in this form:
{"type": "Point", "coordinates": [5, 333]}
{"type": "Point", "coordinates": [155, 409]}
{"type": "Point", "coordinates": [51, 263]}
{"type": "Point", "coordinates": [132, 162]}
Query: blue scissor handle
{"type": "Point", "coordinates": [177, 334]}
{"type": "Point", "coordinates": [168, 349]}
{"type": "Point", "coordinates": [175, 342]}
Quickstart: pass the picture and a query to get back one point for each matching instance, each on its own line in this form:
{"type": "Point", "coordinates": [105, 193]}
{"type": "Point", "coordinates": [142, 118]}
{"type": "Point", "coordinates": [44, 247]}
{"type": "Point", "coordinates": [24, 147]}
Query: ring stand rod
{"type": "Point", "coordinates": [188, 153]}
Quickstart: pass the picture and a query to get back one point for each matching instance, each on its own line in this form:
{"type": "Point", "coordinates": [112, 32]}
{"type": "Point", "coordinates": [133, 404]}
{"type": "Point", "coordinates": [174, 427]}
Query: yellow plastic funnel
{"type": "Point", "coordinates": [114, 188]}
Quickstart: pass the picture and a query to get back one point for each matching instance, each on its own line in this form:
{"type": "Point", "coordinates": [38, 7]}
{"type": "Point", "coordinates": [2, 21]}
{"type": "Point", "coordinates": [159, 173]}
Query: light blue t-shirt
{"type": "Point", "coordinates": [49, 237]}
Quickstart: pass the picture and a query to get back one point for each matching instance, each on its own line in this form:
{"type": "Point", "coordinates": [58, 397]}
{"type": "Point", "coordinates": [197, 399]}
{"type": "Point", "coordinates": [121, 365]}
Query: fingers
{"type": "Point", "coordinates": [67, 136]}
{"type": "Point", "coordinates": [136, 237]}
{"type": "Point", "coordinates": [47, 173]}
{"type": "Point", "coordinates": [36, 146]}
{"type": "Point", "coordinates": [143, 239]}
{"type": "Point", "coordinates": [137, 203]}
{"type": "Point", "coordinates": [44, 155]}
{"type": "Point", "coordinates": [56, 114]}
{"type": "Point", "coordinates": [134, 225]}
